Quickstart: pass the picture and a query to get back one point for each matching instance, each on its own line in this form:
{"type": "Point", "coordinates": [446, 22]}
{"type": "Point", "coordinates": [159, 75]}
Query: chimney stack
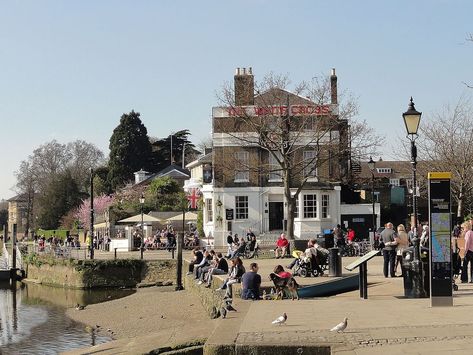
{"type": "Point", "coordinates": [333, 87]}
{"type": "Point", "coordinates": [244, 87]}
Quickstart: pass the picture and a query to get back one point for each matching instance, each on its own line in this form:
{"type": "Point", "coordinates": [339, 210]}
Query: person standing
{"type": "Point", "coordinates": [388, 237]}
{"type": "Point", "coordinates": [250, 283]}
{"type": "Point", "coordinates": [338, 236]}
{"type": "Point", "coordinates": [402, 243]}
{"type": "Point", "coordinates": [229, 244]}
{"type": "Point", "coordinates": [468, 259]}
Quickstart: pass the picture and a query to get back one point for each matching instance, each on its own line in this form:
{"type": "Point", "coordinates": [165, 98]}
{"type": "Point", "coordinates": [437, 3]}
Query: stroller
{"type": "Point", "coordinates": [303, 265]}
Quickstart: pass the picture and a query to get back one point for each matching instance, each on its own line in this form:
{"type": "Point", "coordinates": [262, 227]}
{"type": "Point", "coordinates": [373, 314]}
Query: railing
{"type": "Point", "coordinates": [5, 259]}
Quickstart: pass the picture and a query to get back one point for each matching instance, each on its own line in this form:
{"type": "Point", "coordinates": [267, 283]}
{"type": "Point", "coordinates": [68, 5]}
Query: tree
{"type": "Point", "coordinates": [446, 144]}
{"type": "Point", "coordinates": [180, 141]}
{"type": "Point", "coordinates": [83, 157]}
{"type": "Point", "coordinates": [271, 122]}
{"type": "Point", "coordinates": [164, 192]}
{"type": "Point", "coordinates": [60, 196]}
{"type": "Point", "coordinates": [26, 185]}
{"type": "Point", "coordinates": [101, 203]}
{"type": "Point", "coordinates": [3, 218]}
{"type": "Point", "coordinates": [130, 150]}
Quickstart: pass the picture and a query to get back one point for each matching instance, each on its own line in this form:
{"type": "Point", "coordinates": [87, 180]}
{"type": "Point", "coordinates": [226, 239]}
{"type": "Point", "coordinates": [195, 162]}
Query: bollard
{"type": "Point", "coordinates": [172, 252]}
{"type": "Point", "coordinates": [115, 253]}
{"type": "Point", "coordinates": [141, 252]}
{"type": "Point", "coordinates": [335, 263]}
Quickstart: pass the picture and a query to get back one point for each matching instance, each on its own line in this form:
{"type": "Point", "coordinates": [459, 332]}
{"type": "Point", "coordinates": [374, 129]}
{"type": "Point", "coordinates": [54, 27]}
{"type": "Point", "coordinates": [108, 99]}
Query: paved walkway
{"type": "Point", "coordinates": [385, 322]}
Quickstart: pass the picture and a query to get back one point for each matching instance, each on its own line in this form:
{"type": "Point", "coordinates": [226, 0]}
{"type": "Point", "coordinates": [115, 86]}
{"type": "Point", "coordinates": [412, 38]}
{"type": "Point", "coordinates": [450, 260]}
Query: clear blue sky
{"type": "Point", "coordinates": [69, 69]}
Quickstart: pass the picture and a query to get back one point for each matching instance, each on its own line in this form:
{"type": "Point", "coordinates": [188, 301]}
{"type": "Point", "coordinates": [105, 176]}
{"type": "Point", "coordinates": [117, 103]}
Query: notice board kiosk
{"type": "Point", "coordinates": [440, 247]}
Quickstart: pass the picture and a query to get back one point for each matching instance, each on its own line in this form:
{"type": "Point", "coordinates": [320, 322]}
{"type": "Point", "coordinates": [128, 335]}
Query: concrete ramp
{"type": "Point", "coordinates": [330, 287]}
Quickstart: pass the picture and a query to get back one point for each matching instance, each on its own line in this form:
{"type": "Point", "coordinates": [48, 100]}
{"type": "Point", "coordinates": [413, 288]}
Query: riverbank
{"type": "Point", "coordinates": [149, 319]}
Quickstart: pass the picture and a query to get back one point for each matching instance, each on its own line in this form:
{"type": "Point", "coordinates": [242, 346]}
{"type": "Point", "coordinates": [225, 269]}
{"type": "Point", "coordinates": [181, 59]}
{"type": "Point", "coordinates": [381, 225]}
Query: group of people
{"type": "Point", "coordinates": [393, 242]}
{"type": "Point", "coordinates": [206, 264]}
{"type": "Point", "coordinates": [240, 247]}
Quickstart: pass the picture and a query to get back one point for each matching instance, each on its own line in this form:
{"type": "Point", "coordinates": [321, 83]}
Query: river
{"type": "Point", "coordinates": [33, 320]}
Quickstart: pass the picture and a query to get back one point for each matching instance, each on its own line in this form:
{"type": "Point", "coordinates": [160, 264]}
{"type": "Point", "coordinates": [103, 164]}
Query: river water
{"type": "Point", "coordinates": [33, 320]}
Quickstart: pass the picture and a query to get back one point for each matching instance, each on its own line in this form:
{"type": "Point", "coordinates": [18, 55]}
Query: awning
{"type": "Point", "coordinates": [189, 216]}
{"type": "Point", "coordinates": [101, 225]}
{"type": "Point", "coordinates": [137, 218]}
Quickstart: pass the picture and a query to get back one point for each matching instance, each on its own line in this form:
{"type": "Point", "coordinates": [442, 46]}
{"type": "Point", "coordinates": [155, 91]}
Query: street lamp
{"type": "Point", "coordinates": [372, 165]}
{"type": "Point", "coordinates": [142, 202]}
{"type": "Point", "coordinates": [411, 120]}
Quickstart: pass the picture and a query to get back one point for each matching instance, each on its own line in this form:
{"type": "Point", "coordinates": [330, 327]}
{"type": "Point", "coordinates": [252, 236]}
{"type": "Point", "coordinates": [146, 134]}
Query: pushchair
{"type": "Point", "coordinates": [303, 264]}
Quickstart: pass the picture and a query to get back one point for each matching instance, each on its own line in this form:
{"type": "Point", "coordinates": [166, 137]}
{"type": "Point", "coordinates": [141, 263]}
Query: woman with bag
{"type": "Point", "coordinates": [402, 243]}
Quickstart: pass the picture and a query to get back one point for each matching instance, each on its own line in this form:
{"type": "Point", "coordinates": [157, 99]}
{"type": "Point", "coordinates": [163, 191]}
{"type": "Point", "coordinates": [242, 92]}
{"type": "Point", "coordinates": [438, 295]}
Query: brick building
{"type": "Point", "coordinates": [247, 189]}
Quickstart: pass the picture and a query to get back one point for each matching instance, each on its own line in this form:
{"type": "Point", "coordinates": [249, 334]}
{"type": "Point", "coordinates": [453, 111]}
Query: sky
{"type": "Point", "coordinates": [70, 69]}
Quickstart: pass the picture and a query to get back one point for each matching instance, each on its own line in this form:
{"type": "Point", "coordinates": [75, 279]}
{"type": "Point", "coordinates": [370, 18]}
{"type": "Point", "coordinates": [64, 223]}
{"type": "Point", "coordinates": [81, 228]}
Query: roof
{"type": "Point", "coordinates": [201, 160]}
{"type": "Point", "coordinates": [164, 215]}
{"type": "Point", "coordinates": [399, 169]}
{"type": "Point", "coordinates": [172, 170]}
{"type": "Point", "coordinates": [19, 198]}
{"type": "Point", "coordinates": [281, 97]}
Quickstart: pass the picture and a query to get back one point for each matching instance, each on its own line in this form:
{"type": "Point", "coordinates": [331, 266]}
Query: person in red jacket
{"type": "Point", "coordinates": [281, 246]}
{"type": "Point", "coordinates": [351, 235]}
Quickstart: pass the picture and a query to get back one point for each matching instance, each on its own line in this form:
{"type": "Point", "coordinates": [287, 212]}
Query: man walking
{"type": "Point", "coordinates": [388, 237]}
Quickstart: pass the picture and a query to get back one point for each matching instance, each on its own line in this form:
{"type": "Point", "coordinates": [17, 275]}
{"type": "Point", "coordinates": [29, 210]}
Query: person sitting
{"type": "Point", "coordinates": [240, 250]}
{"type": "Point", "coordinates": [252, 246]}
{"type": "Point", "coordinates": [311, 252]}
{"type": "Point", "coordinates": [236, 272]}
{"type": "Point", "coordinates": [220, 269]}
{"type": "Point", "coordinates": [250, 283]}
{"type": "Point", "coordinates": [279, 270]}
{"type": "Point", "coordinates": [205, 263]}
{"type": "Point", "coordinates": [250, 235]}
{"type": "Point", "coordinates": [198, 256]}
{"type": "Point", "coordinates": [281, 246]}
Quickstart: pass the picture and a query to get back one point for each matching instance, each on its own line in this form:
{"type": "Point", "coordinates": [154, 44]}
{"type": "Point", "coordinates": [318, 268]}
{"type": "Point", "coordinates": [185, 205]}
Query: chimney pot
{"type": "Point", "coordinates": [250, 71]}
{"type": "Point", "coordinates": [333, 71]}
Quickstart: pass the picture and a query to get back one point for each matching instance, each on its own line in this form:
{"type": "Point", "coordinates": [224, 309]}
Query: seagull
{"type": "Point", "coordinates": [280, 320]}
{"type": "Point", "coordinates": [341, 326]}
{"type": "Point", "coordinates": [223, 312]}
{"type": "Point", "coordinates": [79, 307]}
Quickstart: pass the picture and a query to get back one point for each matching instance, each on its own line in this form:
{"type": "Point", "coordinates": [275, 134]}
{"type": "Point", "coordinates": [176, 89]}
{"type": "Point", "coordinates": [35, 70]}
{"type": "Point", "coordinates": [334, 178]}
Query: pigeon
{"type": "Point", "coordinates": [341, 326]}
{"type": "Point", "coordinates": [230, 308]}
{"type": "Point", "coordinates": [223, 312]}
{"type": "Point", "coordinates": [280, 320]}
{"type": "Point", "coordinates": [79, 307]}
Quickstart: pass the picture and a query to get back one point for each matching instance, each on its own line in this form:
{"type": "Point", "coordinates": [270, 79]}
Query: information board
{"type": "Point", "coordinates": [440, 246]}
{"type": "Point", "coordinates": [229, 214]}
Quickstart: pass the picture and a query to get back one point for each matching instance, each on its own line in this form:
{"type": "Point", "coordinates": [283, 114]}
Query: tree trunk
{"type": "Point", "coordinates": [460, 202]}
{"type": "Point", "coordinates": [290, 217]}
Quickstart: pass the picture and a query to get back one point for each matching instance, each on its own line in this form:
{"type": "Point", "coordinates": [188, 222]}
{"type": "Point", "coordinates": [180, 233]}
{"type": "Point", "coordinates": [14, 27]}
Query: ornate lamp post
{"type": "Point", "coordinates": [411, 120]}
{"type": "Point", "coordinates": [372, 166]}
{"type": "Point", "coordinates": [142, 202]}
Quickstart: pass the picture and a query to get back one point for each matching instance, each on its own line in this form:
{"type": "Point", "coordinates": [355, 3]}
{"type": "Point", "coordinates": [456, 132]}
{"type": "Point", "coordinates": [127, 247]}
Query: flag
{"type": "Point", "coordinates": [193, 197]}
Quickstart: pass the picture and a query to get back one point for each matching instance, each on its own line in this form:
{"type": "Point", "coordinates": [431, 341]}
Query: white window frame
{"type": "Point", "coordinates": [309, 155]}
{"type": "Point", "coordinates": [242, 158]}
{"type": "Point", "coordinates": [241, 207]}
{"type": "Point", "coordinates": [209, 209]}
{"type": "Point", "coordinates": [325, 204]}
{"type": "Point", "coordinates": [274, 176]}
{"type": "Point", "coordinates": [310, 210]}
{"type": "Point", "coordinates": [394, 182]}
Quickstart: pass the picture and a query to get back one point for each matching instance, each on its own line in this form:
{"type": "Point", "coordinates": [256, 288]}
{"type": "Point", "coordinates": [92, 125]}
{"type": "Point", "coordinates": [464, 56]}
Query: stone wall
{"type": "Point", "coordinates": [98, 273]}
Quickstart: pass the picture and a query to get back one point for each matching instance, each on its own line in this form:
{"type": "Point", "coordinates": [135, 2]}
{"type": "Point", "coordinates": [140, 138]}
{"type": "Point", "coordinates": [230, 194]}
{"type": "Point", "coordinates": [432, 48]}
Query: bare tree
{"type": "Point", "coordinates": [83, 157]}
{"type": "Point", "coordinates": [302, 132]}
{"type": "Point", "coordinates": [446, 142]}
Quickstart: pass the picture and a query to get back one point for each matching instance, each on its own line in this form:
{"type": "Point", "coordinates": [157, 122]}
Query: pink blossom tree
{"type": "Point", "coordinates": [101, 203]}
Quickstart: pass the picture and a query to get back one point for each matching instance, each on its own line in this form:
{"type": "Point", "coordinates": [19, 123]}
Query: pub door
{"type": "Point", "coordinates": [276, 216]}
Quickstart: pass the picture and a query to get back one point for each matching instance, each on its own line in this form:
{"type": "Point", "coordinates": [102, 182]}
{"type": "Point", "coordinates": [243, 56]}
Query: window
{"type": "Point", "coordinates": [274, 167]}
{"type": "Point", "coordinates": [325, 206]}
{"type": "Point", "coordinates": [241, 207]}
{"type": "Point", "coordinates": [208, 207]}
{"type": "Point", "coordinates": [394, 182]}
{"type": "Point", "coordinates": [310, 169]}
{"type": "Point", "coordinates": [242, 171]}
{"type": "Point", "coordinates": [310, 206]}
{"type": "Point", "coordinates": [383, 170]}
{"type": "Point", "coordinates": [376, 196]}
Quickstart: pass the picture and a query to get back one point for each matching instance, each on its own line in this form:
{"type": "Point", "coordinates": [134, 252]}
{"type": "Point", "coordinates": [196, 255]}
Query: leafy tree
{"type": "Point", "coordinates": [180, 141]}
{"type": "Point", "coordinates": [60, 196]}
{"type": "Point", "coordinates": [130, 150]}
{"type": "Point", "coordinates": [164, 191]}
